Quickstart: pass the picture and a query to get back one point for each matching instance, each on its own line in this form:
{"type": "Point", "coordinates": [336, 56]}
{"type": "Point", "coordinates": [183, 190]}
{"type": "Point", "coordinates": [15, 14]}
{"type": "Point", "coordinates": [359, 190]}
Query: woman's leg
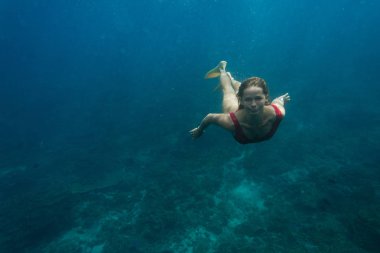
{"type": "Point", "coordinates": [235, 83]}
{"type": "Point", "coordinates": [229, 86]}
{"type": "Point", "coordinates": [230, 101]}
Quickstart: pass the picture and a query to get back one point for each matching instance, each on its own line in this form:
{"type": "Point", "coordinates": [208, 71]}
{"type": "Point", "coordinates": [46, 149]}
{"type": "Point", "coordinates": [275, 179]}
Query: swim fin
{"type": "Point", "coordinates": [215, 72]}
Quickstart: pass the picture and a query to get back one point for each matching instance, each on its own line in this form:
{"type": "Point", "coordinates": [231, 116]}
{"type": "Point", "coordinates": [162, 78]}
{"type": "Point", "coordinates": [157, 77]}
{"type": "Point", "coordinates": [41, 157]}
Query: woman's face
{"type": "Point", "coordinates": [253, 100]}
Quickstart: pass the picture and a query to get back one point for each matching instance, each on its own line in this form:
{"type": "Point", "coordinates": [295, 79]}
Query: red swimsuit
{"type": "Point", "coordinates": [242, 139]}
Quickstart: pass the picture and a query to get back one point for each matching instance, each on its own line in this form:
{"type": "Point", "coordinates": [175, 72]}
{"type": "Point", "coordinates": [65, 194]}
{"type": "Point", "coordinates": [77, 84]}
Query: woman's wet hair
{"type": "Point", "coordinates": [254, 82]}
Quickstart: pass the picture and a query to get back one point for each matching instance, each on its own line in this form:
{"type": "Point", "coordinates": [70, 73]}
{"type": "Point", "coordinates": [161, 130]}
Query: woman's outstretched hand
{"type": "Point", "coordinates": [196, 133]}
{"type": "Point", "coordinates": [285, 98]}
{"type": "Point", "coordinates": [282, 100]}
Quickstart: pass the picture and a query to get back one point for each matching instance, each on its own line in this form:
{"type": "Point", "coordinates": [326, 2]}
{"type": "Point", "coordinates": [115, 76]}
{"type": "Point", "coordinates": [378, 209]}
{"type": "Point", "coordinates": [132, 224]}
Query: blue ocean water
{"type": "Point", "coordinates": [97, 98]}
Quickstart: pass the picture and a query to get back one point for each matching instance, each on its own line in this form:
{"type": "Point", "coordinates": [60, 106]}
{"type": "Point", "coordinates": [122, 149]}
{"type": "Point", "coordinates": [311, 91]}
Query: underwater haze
{"type": "Point", "coordinates": [97, 98]}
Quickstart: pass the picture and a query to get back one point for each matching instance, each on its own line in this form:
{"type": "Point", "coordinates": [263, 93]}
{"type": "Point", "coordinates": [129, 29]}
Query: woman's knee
{"type": "Point", "coordinates": [230, 108]}
{"type": "Point", "coordinates": [230, 104]}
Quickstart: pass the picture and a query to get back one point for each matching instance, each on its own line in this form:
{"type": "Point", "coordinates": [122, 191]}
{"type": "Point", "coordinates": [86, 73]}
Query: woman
{"type": "Point", "coordinates": [247, 112]}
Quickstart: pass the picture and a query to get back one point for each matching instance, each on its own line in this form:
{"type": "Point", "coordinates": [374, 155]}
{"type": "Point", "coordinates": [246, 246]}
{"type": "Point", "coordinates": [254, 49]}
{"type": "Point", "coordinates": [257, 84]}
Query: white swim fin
{"type": "Point", "coordinates": [215, 72]}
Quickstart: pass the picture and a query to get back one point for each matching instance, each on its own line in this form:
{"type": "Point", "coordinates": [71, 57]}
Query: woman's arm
{"type": "Point", "coordinates": [220, 119]}
{"type": "Point", "coordinates": [281, 101]}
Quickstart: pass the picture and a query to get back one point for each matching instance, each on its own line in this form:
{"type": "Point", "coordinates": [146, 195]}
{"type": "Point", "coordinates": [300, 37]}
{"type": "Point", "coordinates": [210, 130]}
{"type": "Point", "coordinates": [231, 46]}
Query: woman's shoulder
{"type": "Point", "coordinates": [270, 111]}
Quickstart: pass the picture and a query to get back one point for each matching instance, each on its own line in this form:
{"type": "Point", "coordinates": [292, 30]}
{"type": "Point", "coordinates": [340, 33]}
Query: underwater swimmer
{"type": "Point", "coordinates": [247, 112]}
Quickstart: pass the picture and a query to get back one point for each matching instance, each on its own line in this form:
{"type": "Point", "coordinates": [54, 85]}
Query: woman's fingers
{"type": "Point", "coordinates": [285, 97]}
{"type": "Point", "coordinates": [194, 132]}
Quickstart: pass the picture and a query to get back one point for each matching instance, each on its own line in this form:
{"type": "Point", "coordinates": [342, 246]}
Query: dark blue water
{"type": "Point", "coordinates": [97, 98]}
